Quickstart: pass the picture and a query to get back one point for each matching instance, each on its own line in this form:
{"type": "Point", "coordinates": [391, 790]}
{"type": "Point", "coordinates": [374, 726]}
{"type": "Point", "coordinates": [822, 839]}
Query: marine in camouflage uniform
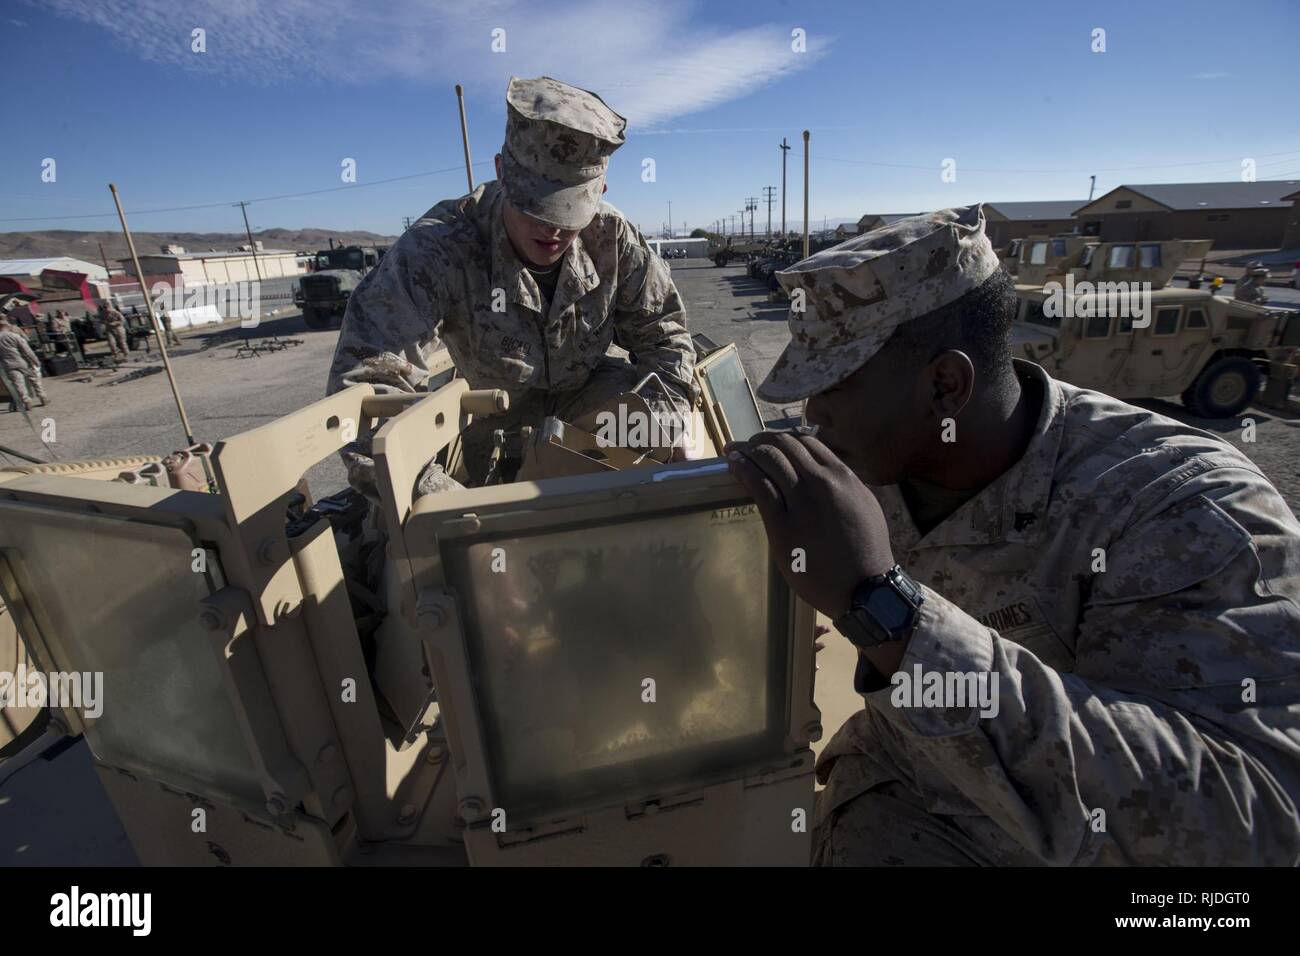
{"type": "Point", "coordinates": [20, 369]}
{"type": "Point", "coordinates": [1250, 287]}
{"type": "Point", "coordinates": [542, 335]}
{"type": "Point", "coordinates": [1131, 582]}
{"type": "Point", "coordinates": [114, 330]}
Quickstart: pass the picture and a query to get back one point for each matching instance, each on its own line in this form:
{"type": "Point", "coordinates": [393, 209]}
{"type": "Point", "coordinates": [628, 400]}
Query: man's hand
{"type": "Point", "coordinates": [810, 500]}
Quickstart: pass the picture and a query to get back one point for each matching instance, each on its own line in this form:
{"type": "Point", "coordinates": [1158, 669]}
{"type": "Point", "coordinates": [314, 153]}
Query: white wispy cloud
{"type": "Point", "coordinates": [652, 60]}
{"type": "Point", "coordinates": [1210, 76]}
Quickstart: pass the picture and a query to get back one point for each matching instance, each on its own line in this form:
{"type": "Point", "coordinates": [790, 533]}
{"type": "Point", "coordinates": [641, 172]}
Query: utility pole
{"type": "Point", "coordinates": [1091, 186]}
{"type": "Point", "coordinates": [785, 148]}
{"type": "Point", "coordinates": [751, 203]}
{"type": "Point", "coordinates": [464, 137]}
{"type": "Point", "coordinates": [105, 259]}
{"type": "Point", "coordinates": [251, 246]}
{"type": "Point", "coordinates": [406, 222]}
{"type": "Point", "coordinates": [153, 321]}
{"type": "Point", "coordinates": [769, 193]}
{"type": "Point", "coordinates": [806, 136]}
{"type": "Point", "coordinates": [670, 219]}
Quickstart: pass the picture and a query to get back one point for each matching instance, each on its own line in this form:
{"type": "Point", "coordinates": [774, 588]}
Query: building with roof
{"type": "Point", "coordinates": [1235, 215]}
{"type": "Point", "coordinates": [1017, 220]}
{"type": "Point", "coordinates": [175, 265]}
{"type": "Point", "coordinates": [21, 269]}
{"type": "Point", "coordinates": [694, 248]}
{"type": "Point", "coordinates": [874, 220]}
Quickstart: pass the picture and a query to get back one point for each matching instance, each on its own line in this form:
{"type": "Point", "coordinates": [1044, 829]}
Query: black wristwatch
{"type": "Point", "coordinates": [883, 608]}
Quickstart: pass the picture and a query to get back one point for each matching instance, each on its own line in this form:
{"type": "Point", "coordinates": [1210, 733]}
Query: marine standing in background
{"type": "Point", "coordinates": [19, 365]}
{"type": "Point", "coordinates": [114, 330]}
{"type": "Point", "coordinates": [1077, 621]}
{"type": "Point", "coordinates": [166, 320]}
{"type": "Point", "coordinates": [1250, 288]}
{"type": "Point", "coordinates": [528, 280]}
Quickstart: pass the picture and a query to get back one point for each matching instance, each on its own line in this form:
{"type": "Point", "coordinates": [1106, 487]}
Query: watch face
{"type": "Point", "coordinates": [889, 610]}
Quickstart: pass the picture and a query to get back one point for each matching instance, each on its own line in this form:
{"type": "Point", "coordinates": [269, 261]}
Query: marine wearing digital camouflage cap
{"type": "Point", "coordinates": [527, 280]}
{"type": "Point", "coordinates": [1077, 620]}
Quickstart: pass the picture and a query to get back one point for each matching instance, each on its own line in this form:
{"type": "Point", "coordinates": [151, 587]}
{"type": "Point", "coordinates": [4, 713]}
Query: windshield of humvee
{"type": "Point", "coordinates": [339, 259]}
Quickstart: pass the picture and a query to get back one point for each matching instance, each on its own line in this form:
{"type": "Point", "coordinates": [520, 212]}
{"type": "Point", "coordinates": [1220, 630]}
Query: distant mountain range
{"type": "Point", "coordinates": [85, 245]}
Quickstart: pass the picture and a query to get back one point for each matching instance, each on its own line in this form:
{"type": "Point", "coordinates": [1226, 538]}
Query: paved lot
{"type": "Point", "coordinates": [727, 305]}
{"type": "Point", "coordinates": [225, 395]}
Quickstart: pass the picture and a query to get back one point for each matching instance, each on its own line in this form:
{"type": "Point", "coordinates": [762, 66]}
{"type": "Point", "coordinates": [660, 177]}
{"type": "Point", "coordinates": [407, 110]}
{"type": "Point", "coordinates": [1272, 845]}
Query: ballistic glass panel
{"type": "Point", "coordinates": [122, 599]}
{"type": "Point", "coordinates": [1166, 322]}
{"type": "Point", "coordinates": [725, 382]}
{"type": "Point", "coordinates": [1096, 327]}
{"type": "Point", "coordinates": [565, 637]}
{"type": "Point", "coordinates": [1121, 257]}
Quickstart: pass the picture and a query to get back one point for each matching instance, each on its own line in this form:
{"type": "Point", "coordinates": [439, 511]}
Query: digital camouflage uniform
{"type": "Point", "coordinates": [21, 368]}
{"type": "Point", "coordinates": [115, 331]}
{"type": "Point", "coordinates": [1131, 581]}
{"type": "Point", "coordinates": [1250, 287]}
{"type": "Point", "coordinates": [172, 337]}
{"type": "Point", "coordinates": [453, 278]}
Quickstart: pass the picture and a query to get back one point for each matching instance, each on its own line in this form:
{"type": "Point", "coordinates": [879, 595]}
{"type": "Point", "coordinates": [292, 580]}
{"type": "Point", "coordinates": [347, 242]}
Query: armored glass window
{"type": "Point", "coordinates": [1058, 247]}
{"type": "Point", "coordinates": [1121, 257]}
{"type": "Point", "coordinates": [728, 395]}
{"type": "Point", "coordinates": [1086, 259]}
{"type": "Point", "coordinates": [608, 655]}
{"type": "Point", "coordinates": [1166, 321]}
{"type": "Point", "coordinates": [1124, 325]}
{"type": "Point", "coordinates": [1196, 319]}
{"type": "Point", "coordinates": [1149, 255]}
{"type": "Point", "coordinates": [165, 707]}
{"type": "Point", "coordinates": [1038, 254]}
{"type": "Point", "coordinates": [1096, 327]}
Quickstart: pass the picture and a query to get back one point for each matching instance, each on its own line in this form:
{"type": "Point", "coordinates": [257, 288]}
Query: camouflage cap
{"type": "Point", "coordinates": [558, 143]}
{"type": "Point", "coordinates": [857, 293]}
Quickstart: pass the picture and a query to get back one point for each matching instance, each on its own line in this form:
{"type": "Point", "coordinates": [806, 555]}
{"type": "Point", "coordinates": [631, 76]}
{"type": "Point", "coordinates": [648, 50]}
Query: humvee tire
{"type": "Point", "coordinates": [719, 260]}
{"type": "Point", "coordinates": [1223, 388]}
{"type": "Point", "coordinates": [316, 319]}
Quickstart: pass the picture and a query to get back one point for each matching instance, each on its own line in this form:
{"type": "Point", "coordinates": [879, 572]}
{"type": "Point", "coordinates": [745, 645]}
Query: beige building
{"type": "Point", "coordinates": [1235, 215]}
{"type": "Point", "coordinates": [197, 268]}
{"type": "Point", "coordinates": [1017, 220]}
{"type": "Point", "coordinates": [874, 220]}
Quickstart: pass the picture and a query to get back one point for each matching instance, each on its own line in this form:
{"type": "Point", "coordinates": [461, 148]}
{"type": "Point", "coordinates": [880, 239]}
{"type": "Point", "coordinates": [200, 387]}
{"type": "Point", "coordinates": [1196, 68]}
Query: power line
{"type": "Point", "coordinates": [214, 205]}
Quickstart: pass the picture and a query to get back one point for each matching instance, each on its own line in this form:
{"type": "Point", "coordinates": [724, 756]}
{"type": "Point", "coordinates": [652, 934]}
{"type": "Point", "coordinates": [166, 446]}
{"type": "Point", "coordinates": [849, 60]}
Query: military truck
{"type": "Point", "coordinates": [1101, 316]}
{"type": "Point", "coordinates": [598, 665]}
{"type": "Point", "coordinates": [323, 294]}
{"type": "Point", "coordinates": [724, 253]}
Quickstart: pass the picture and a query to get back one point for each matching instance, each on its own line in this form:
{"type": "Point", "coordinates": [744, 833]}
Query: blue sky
{"type": "Point", "coordinates": [1012, 91]}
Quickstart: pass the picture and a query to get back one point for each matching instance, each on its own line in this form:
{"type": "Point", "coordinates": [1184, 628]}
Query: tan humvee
{"type": "Point", "coordinates": [603, 668]}
{"type": "Point", "coordinates": [1210, 350]}
{"type": "Point", "coordinates": [1099, 315]}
